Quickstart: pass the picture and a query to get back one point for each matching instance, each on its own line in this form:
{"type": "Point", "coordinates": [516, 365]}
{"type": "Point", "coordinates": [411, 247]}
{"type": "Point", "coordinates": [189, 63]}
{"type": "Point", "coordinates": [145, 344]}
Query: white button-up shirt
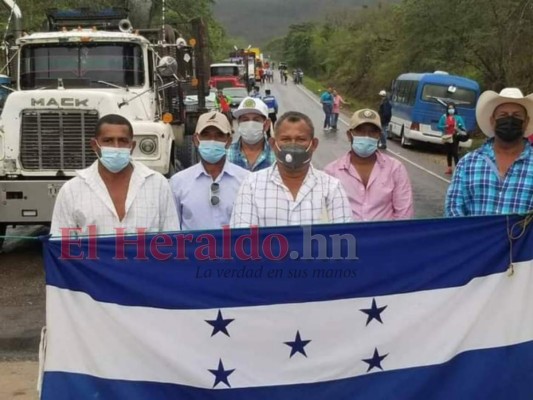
{"type": "Point", "coordinates": [192, 195]}
{"type": "Point", "coordinates": [264, 200]}
{"type": "Point", "coordinates": [84, 201]}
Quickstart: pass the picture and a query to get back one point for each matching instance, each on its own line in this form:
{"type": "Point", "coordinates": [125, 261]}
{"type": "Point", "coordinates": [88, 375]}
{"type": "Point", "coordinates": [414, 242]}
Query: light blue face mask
{"type": "Point", "coordinates": [364, 146]}
{"type": "Point", "coordinates": [114, 159]}
{"type": "Point", "coordinates": [451, 111]}
{"type": "Point", "coordinates": [212, 151]}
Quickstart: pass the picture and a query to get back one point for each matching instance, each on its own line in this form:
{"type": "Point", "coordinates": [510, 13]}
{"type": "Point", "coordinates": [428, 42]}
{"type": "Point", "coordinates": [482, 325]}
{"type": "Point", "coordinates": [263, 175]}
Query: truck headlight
{"type": "Point", "coordinates": [148, 146]}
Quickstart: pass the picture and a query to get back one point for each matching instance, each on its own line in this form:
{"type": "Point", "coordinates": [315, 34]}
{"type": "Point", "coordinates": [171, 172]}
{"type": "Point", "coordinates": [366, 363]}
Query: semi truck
{"type": "Point", "coordinates": [85, 65]}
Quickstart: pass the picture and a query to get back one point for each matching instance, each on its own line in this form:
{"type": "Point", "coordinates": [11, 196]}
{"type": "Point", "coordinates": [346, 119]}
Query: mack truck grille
{"type": "Point", "coordinates": [57, 139]}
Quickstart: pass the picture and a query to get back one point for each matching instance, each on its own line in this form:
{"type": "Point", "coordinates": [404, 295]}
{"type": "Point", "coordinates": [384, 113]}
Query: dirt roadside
{"type": "Point", "coordinates": [18, 380]}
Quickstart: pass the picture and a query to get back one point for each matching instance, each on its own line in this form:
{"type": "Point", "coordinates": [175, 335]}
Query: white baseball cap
{"type": "Point", "coordinates": [250, 105]}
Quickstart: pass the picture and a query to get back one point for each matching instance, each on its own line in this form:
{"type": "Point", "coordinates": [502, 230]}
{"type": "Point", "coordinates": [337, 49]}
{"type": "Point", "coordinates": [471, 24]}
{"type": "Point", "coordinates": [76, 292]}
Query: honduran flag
{"type": "Point", "coordinates": [422, 309]}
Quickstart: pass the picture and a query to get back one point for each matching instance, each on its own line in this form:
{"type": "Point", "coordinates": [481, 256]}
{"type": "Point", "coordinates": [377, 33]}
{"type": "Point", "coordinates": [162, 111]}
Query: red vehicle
{"type": "Point", "coordinates": [225, 75]}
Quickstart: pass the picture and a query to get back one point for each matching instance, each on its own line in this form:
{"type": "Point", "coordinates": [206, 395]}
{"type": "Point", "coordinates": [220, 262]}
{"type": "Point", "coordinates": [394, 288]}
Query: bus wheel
{"type": "Point", "coordinates": [404, 142]}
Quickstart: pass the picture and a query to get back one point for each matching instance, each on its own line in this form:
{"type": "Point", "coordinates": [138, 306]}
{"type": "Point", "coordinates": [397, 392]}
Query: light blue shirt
{"type": "Point", "coordinates": [192, 194]}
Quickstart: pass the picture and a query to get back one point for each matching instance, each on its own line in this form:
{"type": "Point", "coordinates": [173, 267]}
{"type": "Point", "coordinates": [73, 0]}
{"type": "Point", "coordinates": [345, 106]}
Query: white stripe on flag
{"type": "Point", "coordinates": [175, 346]}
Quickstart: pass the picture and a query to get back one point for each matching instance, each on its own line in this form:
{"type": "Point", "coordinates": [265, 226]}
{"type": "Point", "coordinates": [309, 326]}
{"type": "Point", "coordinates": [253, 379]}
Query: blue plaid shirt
{"type": "Point", "coordinates": [478, 189]}
{"type": "Point", "coordinates": [235, 155]}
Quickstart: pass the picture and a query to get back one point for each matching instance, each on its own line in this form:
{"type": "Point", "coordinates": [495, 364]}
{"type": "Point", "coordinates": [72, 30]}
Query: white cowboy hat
{"type": "Point", "coordinates": [489, 100]}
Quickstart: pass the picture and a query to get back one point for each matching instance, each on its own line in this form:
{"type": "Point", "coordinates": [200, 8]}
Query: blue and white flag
{"type": "Point", "coordinates": [422, 309]}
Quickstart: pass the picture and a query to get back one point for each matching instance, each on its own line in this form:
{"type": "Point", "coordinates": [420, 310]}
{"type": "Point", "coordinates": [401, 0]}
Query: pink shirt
{"type": "Point", "coordinates": [337, 104]}
{"type": "Point", "coordinates": [388, 194]}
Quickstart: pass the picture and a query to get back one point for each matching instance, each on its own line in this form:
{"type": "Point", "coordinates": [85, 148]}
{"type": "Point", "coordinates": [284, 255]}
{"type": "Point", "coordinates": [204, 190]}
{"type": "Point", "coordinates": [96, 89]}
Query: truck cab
{"type": "Point", "coordinates": [225, 75]}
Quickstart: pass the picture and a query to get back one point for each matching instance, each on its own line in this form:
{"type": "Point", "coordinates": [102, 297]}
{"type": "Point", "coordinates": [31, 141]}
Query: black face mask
{"type": "Point", "coordinates": [293, 156]}
{"type": "Point", "coordinates": [509, 129]}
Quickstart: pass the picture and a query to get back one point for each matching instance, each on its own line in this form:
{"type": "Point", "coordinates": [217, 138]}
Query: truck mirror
{"type": "Point", "coordinates": [167, 66]}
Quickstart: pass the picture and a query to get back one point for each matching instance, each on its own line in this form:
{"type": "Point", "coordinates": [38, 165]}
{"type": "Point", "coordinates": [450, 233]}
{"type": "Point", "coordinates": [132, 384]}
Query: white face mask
{"type": "Point", "coordinates": [251, 131]}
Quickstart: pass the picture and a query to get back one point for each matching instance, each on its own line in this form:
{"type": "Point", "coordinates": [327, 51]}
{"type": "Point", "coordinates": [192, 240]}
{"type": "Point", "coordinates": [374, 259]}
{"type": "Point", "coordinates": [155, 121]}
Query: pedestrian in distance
{"type": "Point", "coordinates": [338, 101]}
{"type": "Point", "coordinates": [377, 186]}
{"type": "Point", "coordinates": [496, 178]}
{"type": "Point", "coordinates": [222, 104]}
{"type": "Point", "coordinates": [205, 192]}
{"type": "Point", "coordinates": [272, 105]}
{"type": "Point", "coordinates": [450, 124]}
{"type": "Point", "coordinates": [252, 151]}
{"type": "Point", "coordinates": [385, 113]}
{"type": "Point", "coordinates": [291, 191]}
{"type": "Point", "coordinates": [326, 99]}
{"type": "Point", "coordinates": [256, 93]}
{"type": "Point", "coordinates": [114, 193]}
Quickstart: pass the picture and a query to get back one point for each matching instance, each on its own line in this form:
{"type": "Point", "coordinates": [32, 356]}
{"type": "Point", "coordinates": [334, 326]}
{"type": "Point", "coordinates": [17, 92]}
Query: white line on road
{"type": "Point", "coordinates": [420, 167]}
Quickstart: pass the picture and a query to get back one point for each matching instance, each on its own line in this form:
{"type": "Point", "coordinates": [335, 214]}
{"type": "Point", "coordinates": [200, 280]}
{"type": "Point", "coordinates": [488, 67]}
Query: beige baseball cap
{"type": "Point", "coordinates": [365, 116]}
{"type": "Point", "coordinates": [216, 119]}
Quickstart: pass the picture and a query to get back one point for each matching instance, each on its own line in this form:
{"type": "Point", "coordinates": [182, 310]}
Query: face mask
{"type": "Point", "coordinates": [294, 156]}
{"type": "Point", "coordinates": [114, 159]}
{"type": "Point", "coordinates": [251, 131]}
{"type": "Point", "coordinates": [509, 129]}
{"type": "Point", "coordinates": [364, 146]}
{"type": "Point", "coordinates": [451, 111]}
{"type": "Point", "coordinates": [212, 151]}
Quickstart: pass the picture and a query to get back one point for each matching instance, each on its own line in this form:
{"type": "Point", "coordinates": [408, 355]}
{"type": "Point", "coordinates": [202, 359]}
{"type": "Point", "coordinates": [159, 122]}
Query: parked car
{"type": "Point", "coordinates": [237, 94]}
{"type": "Point", "coordinates": [191, 102]}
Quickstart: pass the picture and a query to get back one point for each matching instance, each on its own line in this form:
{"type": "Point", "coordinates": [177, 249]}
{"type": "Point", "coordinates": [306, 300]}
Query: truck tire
{"type": "Point", "coordinates": [186, 152]}
{"type": "Point", "coordinates": [3, 229]}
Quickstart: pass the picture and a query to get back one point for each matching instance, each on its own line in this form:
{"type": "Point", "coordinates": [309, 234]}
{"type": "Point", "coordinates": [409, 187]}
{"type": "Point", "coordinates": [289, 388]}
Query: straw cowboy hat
{"type": "Point", "coordinates": [489, 100]}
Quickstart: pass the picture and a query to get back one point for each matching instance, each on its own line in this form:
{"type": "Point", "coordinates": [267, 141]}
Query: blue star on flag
{"type": "Point", "coordinates": [220, 324]}
{"type": "Point", "coordinates": [374, 312]}
{"type": "Point", "coordinates": [375, 361]}
{"type": "Point", "coordinates": [298, 345]}
{"type": "Point", "coordinates": [221, 375]}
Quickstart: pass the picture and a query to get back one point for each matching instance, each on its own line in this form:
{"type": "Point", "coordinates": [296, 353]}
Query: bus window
{"type": "Point", "coordinates": [460, 96]}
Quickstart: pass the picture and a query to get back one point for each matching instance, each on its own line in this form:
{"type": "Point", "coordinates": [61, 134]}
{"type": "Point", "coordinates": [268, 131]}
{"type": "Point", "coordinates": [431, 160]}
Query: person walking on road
{"type": "Point", "coordinates": [496, 178]}
{"type": "Point", "coordinates": [114, 194]}
{"type": "Point", "coordinates": [205, 192]}
{"type": "Point", "coordinates": [385, 113]}
{"type": "Point", "coordinates": [252, 151]}
{"type": "Point", "coordinates": [291, 191]}
{"type": "Point", "coordinates": [378, 186]}
{"type": "Point", "coordinates": [326, 99]}
{"type": "Point", "coordinates": [449, 124]}
{"type": "Point", "coordinates": [337, 102]}
{"type": "Point", "coordinates": [272, 105]}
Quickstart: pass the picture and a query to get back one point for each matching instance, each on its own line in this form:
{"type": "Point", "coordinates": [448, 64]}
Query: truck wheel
{"type": "Point", "coordinates": [3, 229]}
{"type": "Point", "coordinates": [186, 152]}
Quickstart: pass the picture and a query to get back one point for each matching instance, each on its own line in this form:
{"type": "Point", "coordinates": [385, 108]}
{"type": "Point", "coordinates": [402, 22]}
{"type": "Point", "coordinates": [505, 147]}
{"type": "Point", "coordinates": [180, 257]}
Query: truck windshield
{"type": "Point", "coordinates": [225, 71]}
{"type": "Point", "coordinates": [81, 65]}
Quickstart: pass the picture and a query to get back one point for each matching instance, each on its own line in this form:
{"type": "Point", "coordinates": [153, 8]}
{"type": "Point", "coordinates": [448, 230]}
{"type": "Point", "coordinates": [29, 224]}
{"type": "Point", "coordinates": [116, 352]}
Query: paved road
{"type": "Point", "coordinates": [22, 289]}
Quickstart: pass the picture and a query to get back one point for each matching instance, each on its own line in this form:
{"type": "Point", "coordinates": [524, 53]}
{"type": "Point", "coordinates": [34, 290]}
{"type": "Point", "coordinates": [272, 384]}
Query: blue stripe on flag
{"type": "Point", "coordinates": [392, 257]}
{"type": "Point", "coordinates": [493, 374]}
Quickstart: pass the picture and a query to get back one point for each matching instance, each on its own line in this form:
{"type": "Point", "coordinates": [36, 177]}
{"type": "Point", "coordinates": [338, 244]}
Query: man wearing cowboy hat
{"type": "Point", "coordinates": [497, 178]}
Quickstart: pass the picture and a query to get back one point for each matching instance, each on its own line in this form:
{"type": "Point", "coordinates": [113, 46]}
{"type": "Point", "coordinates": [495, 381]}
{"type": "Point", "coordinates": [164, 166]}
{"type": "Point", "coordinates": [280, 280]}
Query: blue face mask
{"type": "Point", "coordinates": [114, 159]}
{"type": "Point", "coordinates": [364, 146]}
{"type": "Point", "coordinates": [212, 151]}
{"type": "Point", "coordinates": [451, 111]}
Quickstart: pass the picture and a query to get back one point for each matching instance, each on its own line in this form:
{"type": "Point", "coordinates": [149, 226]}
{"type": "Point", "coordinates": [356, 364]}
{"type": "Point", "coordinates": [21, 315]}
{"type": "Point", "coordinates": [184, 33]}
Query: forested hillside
{"type": "Point", "coordinates": [362, 51]}
{"type": "Point", "coordinates": [257, 21]}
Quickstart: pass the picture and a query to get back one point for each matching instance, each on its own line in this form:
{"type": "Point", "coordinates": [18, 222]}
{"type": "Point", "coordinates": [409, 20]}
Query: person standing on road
{"type": "Point", "coordinates": [337, 102]}
{"type": "Point", "coordinates": [205, 192]}
{"type": "Point", "coordinates": [449, 124]}
{"type": "Point", "coordinates": [385, 113]}
{"type": "Point", "coordinates": [272, 105]}
{"type": "Point", "coordinates": [222, 104]}
{"type": "Point", "coordinates": [378, 186]}
{"type": "Point", "coordinates": [496, 178]}
{"type": "Point", "coordinates": [291, 192]}
{"type": "Point", "coordinates": [252, 151]}
{"type": "Point", "coordinates": [326, 99]}
{"type": "Point", "coordinates": [114, 193]}
{"type": "Point", "coordinates": [256, 94]}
